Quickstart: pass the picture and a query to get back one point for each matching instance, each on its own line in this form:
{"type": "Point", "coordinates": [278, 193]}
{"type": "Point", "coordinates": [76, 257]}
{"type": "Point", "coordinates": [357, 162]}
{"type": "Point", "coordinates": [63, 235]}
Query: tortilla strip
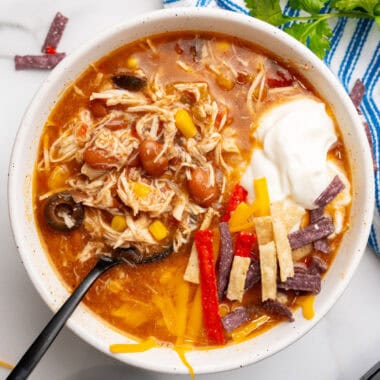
{"type": "Point", "coordinates": [289, 212]}
{"type": "Point", "coordinates": [284, 251]}
{"type": "Point", "coordinates": [192, 269]}
{"type": "Point", "coordinates": [302, 252]}
{"type": "Point", "coordinates": [238, 274]}
{"type": "Point", "coordinates": [264, 229]}
{"type": "Point", "coordinates": [268, 266]}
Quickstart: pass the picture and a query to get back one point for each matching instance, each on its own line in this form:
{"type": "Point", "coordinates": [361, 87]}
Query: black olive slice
{"type": "Point", "coordinates": [62, 213]}
{"type": "Point", "coordinates": [129, 82]}
{"type": "Point", "coordinates": [133, 256]}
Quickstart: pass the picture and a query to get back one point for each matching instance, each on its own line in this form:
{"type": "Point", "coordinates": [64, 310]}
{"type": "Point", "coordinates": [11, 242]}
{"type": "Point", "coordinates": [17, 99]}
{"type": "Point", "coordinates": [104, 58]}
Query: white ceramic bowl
{"type": "Point", "coordinates": [85, 323]}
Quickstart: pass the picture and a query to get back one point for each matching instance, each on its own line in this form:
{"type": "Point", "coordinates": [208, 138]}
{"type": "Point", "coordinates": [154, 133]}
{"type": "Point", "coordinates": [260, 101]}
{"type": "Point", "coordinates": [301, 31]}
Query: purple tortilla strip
{"type": "Point", "coordinates": [43, 62]}
{"type": "Point", "coordinates": [318, 265]}
{"type": "Point", "coordinates": [277, 308]}
{"type": "Point", "coordinates": [300, 267]}
{"type": "Point", "coordinates": [370, 141]}
{"type": "Point", "coordinates": [253, 274]}
{"type": "Point", "coordinates": [357, 93]}
{"type": "Point", "coordinates": [316, 214]}
{"type": "Point", "coordinates": [235, 319]}
{"type": "Point", "coordinates": [55, 31]}
{"type": "Point", "coordinates": [356, 96]}
{"type": "Point", "coordinates": [305, 282]}
{"type": "Point", "coordinates": [311, 233]}
{"type": "Point", "coordinates": [322, 245]}
{"type": "Point", "coordinates": [332, 190]}
{"type": "Point", "coordinates": [226, 255]}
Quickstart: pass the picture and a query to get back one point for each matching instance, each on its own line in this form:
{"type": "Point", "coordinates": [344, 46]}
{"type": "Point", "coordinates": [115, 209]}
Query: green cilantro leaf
{"type": "Point", "coordinates": [351, 5]}
{"type": "Point", "coordinates": [316, 35]}
{"type": "Point", "coordinates": [309, 6]}
{"type": "Point", "coordinates": [314, 30]}
{"type": "Point", "coordinates": [267, 10]}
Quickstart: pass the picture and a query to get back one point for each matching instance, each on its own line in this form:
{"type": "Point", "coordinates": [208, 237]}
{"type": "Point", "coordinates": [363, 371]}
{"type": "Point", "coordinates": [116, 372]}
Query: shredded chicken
{"type": "Point", "coordinates": [120, 189]}
{"type": "Point", "coordinates": [157, 201]}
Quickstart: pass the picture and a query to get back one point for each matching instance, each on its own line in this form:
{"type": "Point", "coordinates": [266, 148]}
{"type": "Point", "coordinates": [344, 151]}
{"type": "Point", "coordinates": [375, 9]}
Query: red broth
{"type": "Point", "coordinates": [153, 300]}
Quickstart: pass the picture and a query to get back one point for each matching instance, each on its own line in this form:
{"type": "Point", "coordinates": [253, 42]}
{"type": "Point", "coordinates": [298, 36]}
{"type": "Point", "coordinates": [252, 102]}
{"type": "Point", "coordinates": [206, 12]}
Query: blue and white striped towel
{"type": "Point", "coordinates": [355, 54]}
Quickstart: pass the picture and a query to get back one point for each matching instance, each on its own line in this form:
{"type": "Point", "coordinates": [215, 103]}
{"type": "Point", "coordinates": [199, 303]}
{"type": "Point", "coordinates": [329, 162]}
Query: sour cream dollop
{"type": "Point", "coordinates": [296, 136]}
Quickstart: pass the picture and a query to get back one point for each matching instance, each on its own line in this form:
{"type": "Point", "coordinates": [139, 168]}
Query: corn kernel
{"type": "Point", "coordinates": [141, 190]}
{"type": "Point", "coordinates": [158, 230]}
{"type": "Point", "coordinates": [132, 63]}
{"type": "Point", "coordinates": [185, 123]}
{"type": "Point", "coordinates": [224, 82]}
{"type": "Point", "coordinates": [58, 177]}
{"type": "Point", "coordinates": [223, 46]}
{"type": "Point", "coordinates": [118, 223]}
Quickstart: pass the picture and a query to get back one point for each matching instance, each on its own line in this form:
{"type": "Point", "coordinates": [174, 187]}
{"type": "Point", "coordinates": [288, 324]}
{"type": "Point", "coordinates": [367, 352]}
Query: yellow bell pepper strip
{"type": "Point", "coordinates": [238, 195]}
{"type": "Point", "coordinates": [240, 218]}
{"type": "Point", "coordinates": [213, 324]}
{"type": "Point", "coordinates": [262, 202]}
{"type": "Point", "coordinates": [158, 230]}
{"type": "Point", "coordinates": [185, 124]}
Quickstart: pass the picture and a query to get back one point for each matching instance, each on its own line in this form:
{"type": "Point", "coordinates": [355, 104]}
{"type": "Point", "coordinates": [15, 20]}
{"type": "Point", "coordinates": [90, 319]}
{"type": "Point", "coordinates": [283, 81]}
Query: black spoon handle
{"type": "Point", "coordinates": [38, 348]}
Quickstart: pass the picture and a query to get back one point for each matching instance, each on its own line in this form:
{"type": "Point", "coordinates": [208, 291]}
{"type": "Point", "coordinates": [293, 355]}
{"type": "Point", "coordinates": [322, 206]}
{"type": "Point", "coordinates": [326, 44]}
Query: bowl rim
{"type": "Point", "coordinates": [84, 50]}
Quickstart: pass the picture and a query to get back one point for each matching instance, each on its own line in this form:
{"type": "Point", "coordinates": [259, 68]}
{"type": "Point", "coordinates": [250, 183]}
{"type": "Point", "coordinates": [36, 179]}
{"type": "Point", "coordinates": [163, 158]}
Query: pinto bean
{"type": "Point", "coordinates": [200, 189]}
{"type": "Point", "coordinates": [149, 151]}
{"type": "Point", "coordinates": [98, 108]}
{"type": "Point", "coordinates": [98, 159]}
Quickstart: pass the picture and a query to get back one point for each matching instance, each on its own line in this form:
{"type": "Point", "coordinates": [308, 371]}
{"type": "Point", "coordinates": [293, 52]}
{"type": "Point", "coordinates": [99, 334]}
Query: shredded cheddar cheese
{"type": "Point", "coordinates": [127, 348]}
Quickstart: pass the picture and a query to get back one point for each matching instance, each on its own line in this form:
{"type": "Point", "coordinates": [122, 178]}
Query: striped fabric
{"type": "Point", "coordinates": [354, 54]}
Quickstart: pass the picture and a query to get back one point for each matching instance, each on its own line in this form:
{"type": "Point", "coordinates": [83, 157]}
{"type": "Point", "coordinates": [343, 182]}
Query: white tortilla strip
{"type": "Point", "coordinates": [264, 229]}
{"type": "Point", "coordinates": [290, 213]}
{"type": "Point", "coordinates": [284, 251]}
{"type": "Point", "coordinates": [268, 267]}
{"type": "Point", "coordinates": [192, 269]}
{"type": "Point", "coordinates": [238, 274]}
{"type": "Point", "coordinates": [302, 252]}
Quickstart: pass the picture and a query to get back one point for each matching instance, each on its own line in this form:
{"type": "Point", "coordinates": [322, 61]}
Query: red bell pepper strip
{"type": "Point", "coordinates": [238, 195]}
{"type": "Point", "coordinates": [244, 244]}
{"type": "Point", "coordinates": [213, 324]}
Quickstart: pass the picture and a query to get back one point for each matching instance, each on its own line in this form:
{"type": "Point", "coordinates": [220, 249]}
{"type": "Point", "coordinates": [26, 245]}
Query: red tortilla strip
{"type": "Point", "coordinates": [332, 190]}
{"type": "Point", "coordinates": [311, 233]}
{"type": "Point", "coordinates": [42, 62]}
{"type": "Point", "coordinates": [55, 32]}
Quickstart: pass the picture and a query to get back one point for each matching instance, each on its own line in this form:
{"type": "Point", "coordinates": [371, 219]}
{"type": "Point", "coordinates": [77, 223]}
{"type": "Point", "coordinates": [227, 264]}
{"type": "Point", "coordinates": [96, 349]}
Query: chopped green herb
{"type": "Point", "coordinates": [313, 30]}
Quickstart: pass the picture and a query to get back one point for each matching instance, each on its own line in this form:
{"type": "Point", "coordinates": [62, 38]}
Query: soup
{"type": "Point", "coordinates": [217, 172]}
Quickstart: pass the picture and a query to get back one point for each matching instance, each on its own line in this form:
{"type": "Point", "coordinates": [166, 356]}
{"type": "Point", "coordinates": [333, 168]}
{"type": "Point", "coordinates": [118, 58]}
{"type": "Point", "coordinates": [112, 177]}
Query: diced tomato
{"type": "Point", "coordinates": [238, 195]}
{"type": "Point", "coordinates": [277, 76]}
{"type": "Point", "coordinates": [82, 130]}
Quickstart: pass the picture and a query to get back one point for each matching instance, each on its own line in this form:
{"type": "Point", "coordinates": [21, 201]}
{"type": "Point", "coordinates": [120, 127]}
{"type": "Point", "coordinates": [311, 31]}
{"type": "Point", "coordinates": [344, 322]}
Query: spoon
{"type": "Point", "coordinates": [38, 348]}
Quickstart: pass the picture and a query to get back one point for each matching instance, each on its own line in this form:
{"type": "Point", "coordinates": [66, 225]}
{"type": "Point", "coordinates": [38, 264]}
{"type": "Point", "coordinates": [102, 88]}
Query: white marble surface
{"type": "Point", "coordinates": [344, 345]}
